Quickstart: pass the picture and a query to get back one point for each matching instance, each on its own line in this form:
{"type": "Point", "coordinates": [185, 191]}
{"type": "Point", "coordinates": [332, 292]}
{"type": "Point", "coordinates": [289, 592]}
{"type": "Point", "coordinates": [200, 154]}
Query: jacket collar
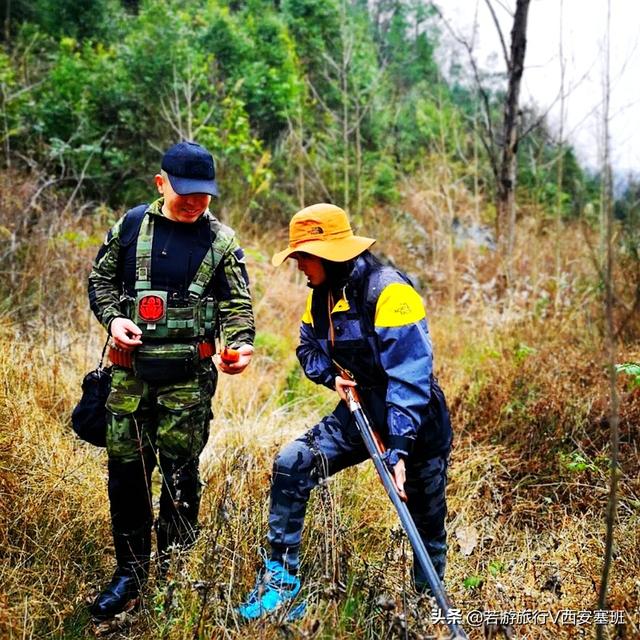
{"type": "Point", "coordinates": [360, 269]}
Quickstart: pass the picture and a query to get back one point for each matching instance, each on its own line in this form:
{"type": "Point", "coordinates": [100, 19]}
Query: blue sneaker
{"type": "Point", "coordinates": [274, 588]}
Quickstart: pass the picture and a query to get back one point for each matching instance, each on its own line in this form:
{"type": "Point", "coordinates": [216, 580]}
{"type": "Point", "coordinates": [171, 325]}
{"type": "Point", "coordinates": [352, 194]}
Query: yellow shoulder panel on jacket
{"type": "Point", "coordinates": [399, 304]}
{"type": "Point", "coordinates": [307, 318]}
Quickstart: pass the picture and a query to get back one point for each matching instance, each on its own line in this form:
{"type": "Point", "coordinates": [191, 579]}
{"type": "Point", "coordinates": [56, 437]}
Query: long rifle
{"type": "Point", "coordinates": [376, 449]}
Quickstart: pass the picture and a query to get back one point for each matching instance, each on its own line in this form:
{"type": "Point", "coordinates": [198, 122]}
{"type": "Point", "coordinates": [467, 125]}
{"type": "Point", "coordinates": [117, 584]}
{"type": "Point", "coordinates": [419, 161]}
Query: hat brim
{"type": "Point", "coordinates": [334, 250]}
{"type": "Point", "coordinates": [188, 186]}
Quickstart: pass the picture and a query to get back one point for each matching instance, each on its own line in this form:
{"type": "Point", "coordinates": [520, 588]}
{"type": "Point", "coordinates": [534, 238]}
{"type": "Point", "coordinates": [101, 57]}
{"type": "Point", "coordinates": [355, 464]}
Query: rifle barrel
{"type": "Point", "coordinates": [405, 518]}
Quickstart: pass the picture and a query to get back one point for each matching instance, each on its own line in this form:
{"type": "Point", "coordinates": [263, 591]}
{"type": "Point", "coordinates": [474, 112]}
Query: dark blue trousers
{"type": "Point", "coordinates": [335, 444]}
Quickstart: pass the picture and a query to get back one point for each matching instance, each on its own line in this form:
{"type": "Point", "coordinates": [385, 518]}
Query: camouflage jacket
{"type": "Point", "coordinates": [108, 283]}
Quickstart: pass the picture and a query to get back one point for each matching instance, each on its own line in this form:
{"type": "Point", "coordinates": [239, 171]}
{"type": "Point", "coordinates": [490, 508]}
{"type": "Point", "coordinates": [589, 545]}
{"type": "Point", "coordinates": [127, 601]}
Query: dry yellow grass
{"type": "Point", "coordinates": [524, 375]}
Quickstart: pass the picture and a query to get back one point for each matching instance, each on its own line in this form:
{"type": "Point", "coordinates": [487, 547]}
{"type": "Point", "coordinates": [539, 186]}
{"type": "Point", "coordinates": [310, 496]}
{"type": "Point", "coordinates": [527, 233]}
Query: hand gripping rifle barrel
{"type": "Point", "coordinates": [376, 449]}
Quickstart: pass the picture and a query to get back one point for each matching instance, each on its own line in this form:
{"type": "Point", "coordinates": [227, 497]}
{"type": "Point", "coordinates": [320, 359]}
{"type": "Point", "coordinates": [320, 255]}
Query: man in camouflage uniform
{"type": "Point", "coordinates": [168, 278]}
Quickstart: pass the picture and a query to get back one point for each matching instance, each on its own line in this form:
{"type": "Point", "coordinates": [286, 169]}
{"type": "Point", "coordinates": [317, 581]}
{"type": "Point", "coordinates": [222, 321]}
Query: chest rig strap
{"type": "Point", "coordinates": [211, 259]}
{"type": "Point", "coordinates": [206, 269]}
{"type": "Point", "coordinates": [143, 254]}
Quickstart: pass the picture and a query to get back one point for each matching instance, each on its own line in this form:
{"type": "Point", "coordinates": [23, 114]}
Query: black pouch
{"type": "Point", "coordinates": [89, 417]}
{"type": "Point", "coordinates": [165, 363]}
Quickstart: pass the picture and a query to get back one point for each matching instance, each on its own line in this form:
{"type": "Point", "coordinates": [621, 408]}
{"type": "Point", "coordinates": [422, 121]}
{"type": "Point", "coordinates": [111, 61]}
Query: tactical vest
{"type": "Point", "coordinates": [160, 318]}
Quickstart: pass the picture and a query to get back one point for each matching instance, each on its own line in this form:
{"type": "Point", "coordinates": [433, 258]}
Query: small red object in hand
{"type": "Point", "coordinates": [229, 356]}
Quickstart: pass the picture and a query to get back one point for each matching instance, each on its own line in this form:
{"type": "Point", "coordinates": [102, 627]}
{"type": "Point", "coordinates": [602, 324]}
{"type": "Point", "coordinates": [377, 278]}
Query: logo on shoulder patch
{"type": "Point", "coordinates": [402, 309]}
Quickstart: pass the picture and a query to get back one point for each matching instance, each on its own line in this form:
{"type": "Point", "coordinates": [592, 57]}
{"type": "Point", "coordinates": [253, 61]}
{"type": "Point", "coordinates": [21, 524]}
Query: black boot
{"type": "Point", "coordinates": [164, 544]}
{"type": "Point", "coordinates": [173, 536]}
{"type": "Point", "coordinates": [177, 524]}
{"type": "Point", "coordinates": [123, 592]}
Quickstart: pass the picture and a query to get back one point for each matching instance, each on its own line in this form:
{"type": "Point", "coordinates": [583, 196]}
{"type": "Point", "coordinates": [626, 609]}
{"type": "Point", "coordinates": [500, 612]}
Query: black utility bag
{"type": "Point", "coordinates": [89, 418]}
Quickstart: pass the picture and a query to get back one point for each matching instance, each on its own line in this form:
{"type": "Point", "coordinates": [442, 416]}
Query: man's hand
{"type": "Point", "coordinates": [125, 333]}
{"type": "Point", "coordinates": [341, 387]}
{"type": "Point", "coordinates": [400, 476]}
{"type": "Point", "coordinates": [233, 368]}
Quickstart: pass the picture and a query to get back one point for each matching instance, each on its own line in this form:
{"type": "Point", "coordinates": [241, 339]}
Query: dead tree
{"type": "Point", "coordinates": [610, 333]}
{"type": "Point", "coordinates": [502, 148]}
{"type": "Point", "coordinates": [506, 178]}
{"type": "Point", "coordinates": [560, 167]}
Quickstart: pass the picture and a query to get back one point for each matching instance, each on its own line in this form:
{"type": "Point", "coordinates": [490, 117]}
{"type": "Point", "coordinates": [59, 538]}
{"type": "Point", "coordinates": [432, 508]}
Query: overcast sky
{"type": "Point", "coordinates": [583, 27]}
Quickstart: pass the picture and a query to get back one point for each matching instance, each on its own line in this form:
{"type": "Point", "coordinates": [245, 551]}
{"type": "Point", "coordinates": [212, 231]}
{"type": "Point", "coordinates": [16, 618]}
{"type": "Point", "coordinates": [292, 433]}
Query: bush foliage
{"type": "Point", "coordinates": [298, 101]}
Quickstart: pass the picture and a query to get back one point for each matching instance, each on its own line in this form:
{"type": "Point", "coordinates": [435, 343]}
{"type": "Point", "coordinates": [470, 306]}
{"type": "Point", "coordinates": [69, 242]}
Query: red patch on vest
{"type": "Point", "coordinates": [151, 308]}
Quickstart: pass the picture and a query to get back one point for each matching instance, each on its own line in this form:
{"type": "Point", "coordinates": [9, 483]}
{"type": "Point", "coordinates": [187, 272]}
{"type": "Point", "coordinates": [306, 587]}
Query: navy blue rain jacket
{"type": "Point", "coordinates": [381, 336]}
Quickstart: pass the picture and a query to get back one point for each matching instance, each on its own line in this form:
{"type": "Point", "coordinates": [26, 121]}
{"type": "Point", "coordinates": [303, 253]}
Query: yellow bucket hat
{"type": "Point", "coordinates": [323, 230]}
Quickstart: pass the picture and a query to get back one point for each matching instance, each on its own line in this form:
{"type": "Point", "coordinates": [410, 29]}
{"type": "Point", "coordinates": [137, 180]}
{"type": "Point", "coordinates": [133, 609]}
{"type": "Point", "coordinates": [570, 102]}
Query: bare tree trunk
{"type": "Point", "coordinates": [476, 168]}
{"type": "Point", "coordinates": [296, 135]}
{"type": "Point", "coordinates": [345, 64]}
{"type": "Point", "coordinates": [188, 97]}
{"type": "Point", "coordinates": [607, 211]}
{"type": "Point", "coordinates": [502, 151]}
{"type": "Point", "coordinates": [5, 126]}
{"type": "Point", "coordinates": [345, 133]}
{"type": "Point", "coordinates": [358, 175]}
{"type": "Point", "coordinates": [506, 205]}
{"type": "Point", "coordinates": [301, 184]}
{"type": "Point", "coordinates": [178, 109]}
{"type": "Point", "coordinates": [447, 191]}
{"type": "Point", "coordinates": [560, 174]}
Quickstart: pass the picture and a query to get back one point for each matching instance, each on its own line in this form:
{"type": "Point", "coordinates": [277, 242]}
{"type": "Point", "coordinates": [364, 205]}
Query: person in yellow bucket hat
{"type": "Point", "coordinates": [324, 231]}
{"type": "Point", "coordinates": [366, 318]}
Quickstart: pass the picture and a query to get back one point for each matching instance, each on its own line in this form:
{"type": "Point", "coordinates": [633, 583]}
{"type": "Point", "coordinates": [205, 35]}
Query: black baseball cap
{"type": "Point", "coordinates": [190, 168]}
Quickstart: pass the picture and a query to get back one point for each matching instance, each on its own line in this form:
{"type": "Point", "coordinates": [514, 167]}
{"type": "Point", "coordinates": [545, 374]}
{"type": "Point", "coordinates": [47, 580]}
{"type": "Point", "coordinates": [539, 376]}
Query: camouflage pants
{"type": "Point", "coordinates": [165, 425]}
{"type": "Point", "coordinates": [335, 444]}
{"type": "Point", "coordinates": [172, 418]}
